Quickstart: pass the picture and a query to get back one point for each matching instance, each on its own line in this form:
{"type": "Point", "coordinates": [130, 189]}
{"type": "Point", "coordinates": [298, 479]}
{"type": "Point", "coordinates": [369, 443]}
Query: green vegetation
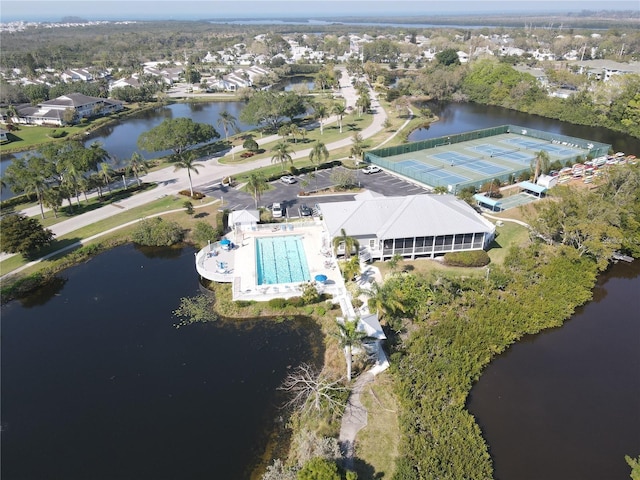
{"type": "Point", "coordinates": [177, 134]}
{"type": "Point", "coordinates": [156, 232]}
{"type": "Point", "coordinates": [495, 83]}
{"type": "Point", "coordinates": [478, 258]}
{"type": "Point", "coordinates": [198, 309]}
{"type": "Point", "coordinates": [464, 322]}
{"type": "Point", "coordinates": [23, 235]}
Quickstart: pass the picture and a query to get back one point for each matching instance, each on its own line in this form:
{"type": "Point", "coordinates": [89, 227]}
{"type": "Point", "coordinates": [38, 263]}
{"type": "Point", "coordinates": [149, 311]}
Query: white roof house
{"type": "Point", "coordinates": [52, 112]}
{"type": "Point", "coordinates": [417, 225]}
{"type": "Point", "coordinates": [244, 220]}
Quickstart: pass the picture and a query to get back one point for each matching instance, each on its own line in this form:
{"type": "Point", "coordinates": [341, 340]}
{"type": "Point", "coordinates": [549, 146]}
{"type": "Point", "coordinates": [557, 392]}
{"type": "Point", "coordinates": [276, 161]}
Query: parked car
{"type": "Point", "coordinates": [305, 211]}
{"type": "Point", "coordinates": [371, 169]}
{"type": "Point", "coordinates": [277, 211]}
{"type": "Point", "coordinates": [288, 179]}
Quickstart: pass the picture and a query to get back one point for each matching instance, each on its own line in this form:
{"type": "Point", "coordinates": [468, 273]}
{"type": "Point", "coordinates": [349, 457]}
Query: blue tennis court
{"type": "Point", "coordinates": [531, 144]}
{"type": "Point", "coordinates": [509, 154]}
{"type": "Point", "coordinates": [444, 176]}
{"type": "Point", "coordinates": [470, 163]}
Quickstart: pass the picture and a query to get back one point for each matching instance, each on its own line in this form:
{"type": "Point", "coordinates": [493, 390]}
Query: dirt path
{"type": "Point", "coordinates": [354, 419]}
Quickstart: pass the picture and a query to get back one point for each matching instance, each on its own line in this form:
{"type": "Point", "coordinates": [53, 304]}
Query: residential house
{"type": "Point", "coordinates": [52, 112]}
{"type": "Point", "coordinates": [411, 226]}
{"type": "Point", "coordinates": [132, 81]}
{"type": "Point", "coordinates": [605, 69]}
{"type": "Point", "coordinates": [76, 75]}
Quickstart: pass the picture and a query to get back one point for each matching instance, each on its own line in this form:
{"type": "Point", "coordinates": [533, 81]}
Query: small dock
{"type": "Point", "coordinates": [617, 256]}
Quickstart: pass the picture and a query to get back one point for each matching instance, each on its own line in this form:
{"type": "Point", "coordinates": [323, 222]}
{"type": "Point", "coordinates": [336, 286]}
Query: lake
{"type": "Point", "coordinates": [564, 404]}
{"type": "Point", "coordinates": [97, 382]}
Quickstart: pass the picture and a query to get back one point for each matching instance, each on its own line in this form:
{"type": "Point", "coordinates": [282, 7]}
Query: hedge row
{"type": "Point", "coordinates": [475, 258]}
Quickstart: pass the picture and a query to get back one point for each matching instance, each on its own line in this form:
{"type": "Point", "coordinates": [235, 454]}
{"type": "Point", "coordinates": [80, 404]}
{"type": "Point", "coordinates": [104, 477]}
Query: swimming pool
{"type": "Point", "coordinates": [281, 260]}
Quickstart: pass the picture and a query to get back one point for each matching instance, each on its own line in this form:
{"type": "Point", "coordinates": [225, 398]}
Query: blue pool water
{"type": "Point", "coordinates": [281, 260]}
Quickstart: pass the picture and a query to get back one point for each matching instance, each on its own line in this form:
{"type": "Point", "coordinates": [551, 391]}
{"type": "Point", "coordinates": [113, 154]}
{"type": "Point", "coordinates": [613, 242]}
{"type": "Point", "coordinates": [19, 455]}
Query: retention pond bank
{"type": "Point", "coordinates": [564, 403]}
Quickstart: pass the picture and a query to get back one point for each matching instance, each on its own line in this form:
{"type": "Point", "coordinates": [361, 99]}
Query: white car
{"type": "Point", "coordinates": [276, 210]}
{"type": "Point", "coordinates": [371, 169]}
{"type": "Point", "coordinates": [288, 179]}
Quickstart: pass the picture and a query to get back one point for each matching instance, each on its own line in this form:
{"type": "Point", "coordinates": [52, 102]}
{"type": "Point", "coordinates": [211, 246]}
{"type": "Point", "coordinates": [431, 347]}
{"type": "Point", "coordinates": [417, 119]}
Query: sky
{"type": "Point", "coordinates": [54, 10]}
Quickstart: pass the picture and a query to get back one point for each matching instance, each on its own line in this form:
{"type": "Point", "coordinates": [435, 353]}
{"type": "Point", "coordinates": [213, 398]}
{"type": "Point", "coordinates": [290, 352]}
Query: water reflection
{"type": "Point", "coordinates": [43, 294]}
{"type": "Point", "coordinates": [564, 403]}
{"type": "Point", "coordinates": [98, 381]}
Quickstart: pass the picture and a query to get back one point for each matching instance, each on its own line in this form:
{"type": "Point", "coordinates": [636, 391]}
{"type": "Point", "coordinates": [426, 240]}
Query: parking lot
{"type": "Point", "coordinates": [287, 194]}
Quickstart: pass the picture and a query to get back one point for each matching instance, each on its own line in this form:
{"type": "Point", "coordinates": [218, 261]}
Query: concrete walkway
{"type": "Point", "coordinates": [170, 182]}
{"type": "Point", "coordinates": [513, 220]}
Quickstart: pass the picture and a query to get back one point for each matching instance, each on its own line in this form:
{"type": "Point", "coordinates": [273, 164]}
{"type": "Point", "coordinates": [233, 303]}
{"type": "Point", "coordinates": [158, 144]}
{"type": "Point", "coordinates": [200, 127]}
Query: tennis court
{"type": "Point", "coordinates": [472, 159]}
{"type": "Point", "coordinates": [420, 169]}
{"type": "Point", "coordinates": [551, 148]}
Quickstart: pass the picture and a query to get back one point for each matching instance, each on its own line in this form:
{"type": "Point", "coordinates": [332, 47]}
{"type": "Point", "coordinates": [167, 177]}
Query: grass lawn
{"type": "Point", "coordinates": [507, 235]}
{"type": "Point", "coordinates": [162, 205]}
{"type": "Point", "coordinates": [424, 266]}
{"type": "Point", "coordinates": [27, 137]}
{"type": "Point", "coordinates": [377, 443]}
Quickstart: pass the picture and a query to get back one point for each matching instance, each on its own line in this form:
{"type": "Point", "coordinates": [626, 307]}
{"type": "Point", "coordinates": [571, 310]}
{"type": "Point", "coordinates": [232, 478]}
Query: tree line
{"type": "Point", "coordinates": [459, 324]}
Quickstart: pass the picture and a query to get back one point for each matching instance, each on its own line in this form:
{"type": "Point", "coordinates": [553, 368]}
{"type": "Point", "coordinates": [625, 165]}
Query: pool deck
{"type": "Point", "coordinates": [238, 265]}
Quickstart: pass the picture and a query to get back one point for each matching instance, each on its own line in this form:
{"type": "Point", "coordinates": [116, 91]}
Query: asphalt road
{"type": "Point", "coordinates": [169, 181]}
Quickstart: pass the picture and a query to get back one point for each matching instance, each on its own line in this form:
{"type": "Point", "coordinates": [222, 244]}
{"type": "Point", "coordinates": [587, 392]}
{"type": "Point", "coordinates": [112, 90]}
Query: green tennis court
{"type": "Point", "coordinates": [504, 153]}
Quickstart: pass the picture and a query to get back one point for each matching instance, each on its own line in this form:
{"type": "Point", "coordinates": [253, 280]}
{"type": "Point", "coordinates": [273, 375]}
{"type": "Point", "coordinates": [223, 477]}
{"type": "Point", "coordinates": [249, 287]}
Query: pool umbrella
{"type": "Point", "coordinates": [321, 278]}
{"type": "Point", "coordinates": [225, 241]}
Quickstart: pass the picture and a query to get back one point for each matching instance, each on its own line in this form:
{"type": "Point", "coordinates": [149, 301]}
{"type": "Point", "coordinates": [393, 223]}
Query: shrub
{"type": "Point", "coordinates": [204, 232]}
{"type": "Point", "coordinates": [244, 303]}
{"type": "Point", "coordinates": [57, 133]}
{"type": "Point", "coordinates": [250, 144]}
{"type": "Point", "coordinates": [296, 302]}
{"type": "Point", "coordinates": [277, 303]}
{"type": "Point", "coordinates": [155, 232]}
{"type": "Point", "coordinates": [195, 196]}
{"type": "Point", "coordinates": [476, 258]}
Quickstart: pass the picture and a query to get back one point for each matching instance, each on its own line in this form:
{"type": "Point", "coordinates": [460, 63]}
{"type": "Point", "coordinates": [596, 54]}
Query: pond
{"type": "Point", "coordinates": [98, 383]}
{"type": "Point", "coordinates": [564, 403]}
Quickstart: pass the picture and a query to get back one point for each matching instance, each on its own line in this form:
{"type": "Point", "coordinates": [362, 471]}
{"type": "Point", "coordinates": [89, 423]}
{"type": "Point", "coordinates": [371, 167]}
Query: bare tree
{"type": "Point", "coordinates": [310, 390]}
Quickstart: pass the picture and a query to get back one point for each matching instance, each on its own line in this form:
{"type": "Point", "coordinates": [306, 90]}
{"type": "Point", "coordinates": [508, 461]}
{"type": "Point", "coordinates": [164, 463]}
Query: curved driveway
{"type": "Point", "coordinates": [170, 181]}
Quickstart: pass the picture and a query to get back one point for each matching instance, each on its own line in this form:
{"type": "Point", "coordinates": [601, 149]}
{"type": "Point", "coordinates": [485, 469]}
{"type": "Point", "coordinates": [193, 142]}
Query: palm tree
{"type": "Point", "coordinates": [284, 131]}
{"type": "Point", "coordinates": [257, 185]}
{"type": "Point", "coordinates": [188, 162]}
{"type": "Point", "coordinates": [349, 336]}
{"type": "Point", "coordinates": [384, 299]}
{"type": "Point", "coordinates": [339, 109]}
{"type": "Point", "coordinates": [95, 155]}
{"type": "Point", "coordinates": [106, 174]}
{"type": "Point", "coordinates": [28, 175]}
{"type": "Point", "coordinates": [348, 242]}
{"type": "Point", "coordinates": [320, 112]}
{"type": "Point", "coordinates": [12, 113]}
{"type": "Point", "coordinates": [357, 147]}
{"type": "Point", "coordinates": [363, 103]}
{"type": "Point", "coordinates": [295, 130]}
{"type": "Point", "coordinates": [228, 122]}
{"type": "Point", "coordinates": [281, 154]}
{"type": "Point", "coordinates": [318, 153]}
{"type": "Point", "coordinates": [137, 165]}
{"type": "Point", "coordinates": [541, 164]}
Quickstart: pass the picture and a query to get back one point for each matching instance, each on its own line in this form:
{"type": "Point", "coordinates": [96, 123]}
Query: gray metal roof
{"type": "Point", "coordinates": [400, 217]}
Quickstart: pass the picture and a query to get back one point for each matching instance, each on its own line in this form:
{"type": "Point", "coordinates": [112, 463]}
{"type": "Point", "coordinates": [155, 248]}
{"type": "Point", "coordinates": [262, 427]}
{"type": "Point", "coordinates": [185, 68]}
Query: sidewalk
{"type": "Point", "coordinates": [170, 181]}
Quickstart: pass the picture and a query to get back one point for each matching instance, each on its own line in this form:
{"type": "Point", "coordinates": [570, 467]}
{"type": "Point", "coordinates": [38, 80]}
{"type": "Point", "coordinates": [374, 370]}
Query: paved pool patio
{"type": "Point", "coordinates": [237, 265]}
